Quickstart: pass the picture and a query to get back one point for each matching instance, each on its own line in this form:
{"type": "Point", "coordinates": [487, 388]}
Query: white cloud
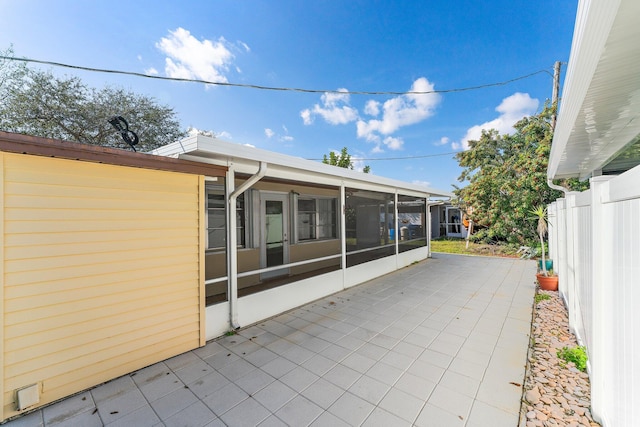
{"type": "Point", "coordinates": [421, 183]}
{"type": "Point", "coordinates": [335, 109]}
{"type": "Point", "coordinates": [195, 131]}
{"type": "Point", "coordinates": [270, 133]}
{"type": "Point", "coordinates": [244, 45]}
{"type": "Point", "coordinates": [307, 118]}
{"type": "Point", "coordinates": [190, 58]}
{"type": "Point", "coordinates": [372, 108]}
{"type": "Point", "coordinates": [224, 135]}
{"type": "Point", "coordinates": [403, 110]}
{"type": "Point", "coordinates": [397, 112]}
{"type": "Point", "coordinates": [358, 164]}
{"type": "Point", "coordinates": [393, 143]}
{"type": "Point", "coordinates": [443, 141]}
{"type": "Point", "coordinates": [511, 109]}
{"type": "Point", "coordinates": [151, 71]}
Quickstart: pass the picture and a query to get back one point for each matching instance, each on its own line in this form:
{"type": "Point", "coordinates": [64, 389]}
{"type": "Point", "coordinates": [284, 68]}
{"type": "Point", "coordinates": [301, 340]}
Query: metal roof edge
{"type": "Point", "coordinates": [230, 152]}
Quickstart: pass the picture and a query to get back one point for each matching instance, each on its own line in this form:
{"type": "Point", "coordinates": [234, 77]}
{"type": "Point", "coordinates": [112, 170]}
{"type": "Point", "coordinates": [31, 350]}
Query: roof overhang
{"type": "Point", "coordinates": [600, 109]}
{"type": "Point", "coordinates": [47, 147]}
{"type": "Point", "coordinates": [246, 159]}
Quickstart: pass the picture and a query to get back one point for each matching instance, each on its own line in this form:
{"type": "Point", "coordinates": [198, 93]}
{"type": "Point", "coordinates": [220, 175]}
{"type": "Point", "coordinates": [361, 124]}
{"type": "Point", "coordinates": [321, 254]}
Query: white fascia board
{"type": "Point", "coordinates": [594, 19]}
{"type": "Point", "coordinates": [245, 159]}
{"type": "Point", "coordinates": [600, 107]}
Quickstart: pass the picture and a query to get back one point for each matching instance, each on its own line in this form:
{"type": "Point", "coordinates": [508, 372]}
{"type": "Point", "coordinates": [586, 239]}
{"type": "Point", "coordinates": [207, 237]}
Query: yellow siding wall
{"type": "Point", "coordinates": [101, 272]}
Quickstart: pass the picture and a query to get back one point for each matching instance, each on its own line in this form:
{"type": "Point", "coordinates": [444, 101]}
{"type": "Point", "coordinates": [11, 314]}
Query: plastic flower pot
{"type": "Point", "coordinates": [548, 263]}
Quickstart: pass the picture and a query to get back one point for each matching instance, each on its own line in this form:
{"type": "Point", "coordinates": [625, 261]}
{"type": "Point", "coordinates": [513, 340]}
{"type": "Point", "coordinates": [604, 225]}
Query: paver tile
{"type": "Point", "coordinates": [120, 406]}
{"type": "Point", "coordinates": [369, 389]}
{"type": "Point", "coordinates": [323, 393]}
{"type": "Point", "coordinates": [381, 418]}
{"type": "Point", "coordinates": [142, 417]}
{"type": "Point", "coordinates": [451, 401]}
{"type": "Point", "coordinates": [174, 402]}
{"type": "Point", "coordinates": [299, 411]}
{"type": "Point", "coordinates": [417, 346]}
{"type": "Point", "coordinates": [351, 408]}
{"type": "Point", "coordinates": [402, 404]}
{"type": "Point", "coordinates": [196, 415]}
{"type": "Point", "coordinates": [68, 409]}
{"type": "Point", "coordinates": [274, 396]}
{"type": "Point", "coordinates": [225, 398]}
{"type": "Point", "coordinates": [248, 413]}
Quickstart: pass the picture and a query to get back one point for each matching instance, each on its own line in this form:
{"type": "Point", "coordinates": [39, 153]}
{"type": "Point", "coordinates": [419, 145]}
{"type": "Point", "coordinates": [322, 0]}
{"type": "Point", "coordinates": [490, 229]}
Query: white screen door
{"type": "Point", "coordinates": [274, 245]}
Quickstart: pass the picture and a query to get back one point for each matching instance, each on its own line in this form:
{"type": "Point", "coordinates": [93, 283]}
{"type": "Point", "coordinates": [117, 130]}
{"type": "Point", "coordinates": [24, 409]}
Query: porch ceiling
{"type": "Point", "coordinates": [600, 108]}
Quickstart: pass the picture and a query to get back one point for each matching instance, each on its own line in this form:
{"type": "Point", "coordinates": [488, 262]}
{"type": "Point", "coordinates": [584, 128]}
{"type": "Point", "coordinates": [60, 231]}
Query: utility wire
{"type": "Point", "coordinates": [400, 158]}
{"type": "Point", "coordinates": [252, 86]}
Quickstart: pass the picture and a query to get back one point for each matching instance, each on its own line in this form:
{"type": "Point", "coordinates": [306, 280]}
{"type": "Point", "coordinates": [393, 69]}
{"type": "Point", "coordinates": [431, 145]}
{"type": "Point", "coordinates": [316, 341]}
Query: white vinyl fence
{"type": "Point", "coordinates": [594, 241]}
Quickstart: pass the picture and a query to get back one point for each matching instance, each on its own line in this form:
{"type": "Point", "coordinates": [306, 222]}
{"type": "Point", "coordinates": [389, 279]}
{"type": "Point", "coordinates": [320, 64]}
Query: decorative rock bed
{"type": "Point", "coordinates": [556, 393]}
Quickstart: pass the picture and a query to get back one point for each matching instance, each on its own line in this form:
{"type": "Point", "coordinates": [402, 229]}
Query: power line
{"type": "Point", "coordinates": [253, 86]}
{"type": "Point", "coordinates": [400, 158]}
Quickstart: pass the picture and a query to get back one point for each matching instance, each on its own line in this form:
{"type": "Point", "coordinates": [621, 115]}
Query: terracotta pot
{"type": "Point", "coordinates": [547, 283]}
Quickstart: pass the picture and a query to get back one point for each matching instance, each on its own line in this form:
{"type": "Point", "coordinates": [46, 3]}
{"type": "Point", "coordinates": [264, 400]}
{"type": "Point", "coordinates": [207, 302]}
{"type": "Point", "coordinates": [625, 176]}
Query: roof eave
{"type": "Point", "coordinates": [600, 109]}
{"type": "Point", "coordinates": [227, 153]}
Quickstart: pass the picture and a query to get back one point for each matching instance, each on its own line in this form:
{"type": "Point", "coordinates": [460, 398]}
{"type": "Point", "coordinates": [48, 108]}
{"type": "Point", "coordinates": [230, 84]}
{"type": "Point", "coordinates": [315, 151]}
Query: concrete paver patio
{"type": "Point", "coordinates": [440, 343]}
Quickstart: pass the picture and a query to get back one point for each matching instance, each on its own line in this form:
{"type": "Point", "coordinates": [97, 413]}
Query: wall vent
{"type": "Point", "coordinates": [27, 396]}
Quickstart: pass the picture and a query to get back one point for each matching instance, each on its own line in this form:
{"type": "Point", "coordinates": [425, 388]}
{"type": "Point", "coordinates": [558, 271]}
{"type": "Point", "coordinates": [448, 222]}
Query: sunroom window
{"type": "Point", "coordinates": [217, 219]}
{"type": "Point", "coordinates": [316, 218]}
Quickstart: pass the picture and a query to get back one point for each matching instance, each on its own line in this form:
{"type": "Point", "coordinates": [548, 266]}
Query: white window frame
{"type": "Point", "coordinates": [246, 213]}
{"type": "Point", "coordinates": [317, 226]}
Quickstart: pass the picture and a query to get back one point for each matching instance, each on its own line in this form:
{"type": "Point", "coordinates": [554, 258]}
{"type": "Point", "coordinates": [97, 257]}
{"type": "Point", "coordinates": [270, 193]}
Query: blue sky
{"type": "Point", "coordinates": [336, 45]}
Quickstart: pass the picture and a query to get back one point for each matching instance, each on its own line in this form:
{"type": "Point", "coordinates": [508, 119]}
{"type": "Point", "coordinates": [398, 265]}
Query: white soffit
{"type": "Point", "coordinates": [247, 158]}
{"type": "Point", "coordinates": [600, 106]}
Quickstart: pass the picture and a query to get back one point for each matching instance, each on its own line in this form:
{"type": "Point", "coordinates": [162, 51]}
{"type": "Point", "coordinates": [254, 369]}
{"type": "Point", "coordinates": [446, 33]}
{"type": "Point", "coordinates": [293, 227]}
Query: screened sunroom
{"type": "Point", "coordinates": [282, 231]}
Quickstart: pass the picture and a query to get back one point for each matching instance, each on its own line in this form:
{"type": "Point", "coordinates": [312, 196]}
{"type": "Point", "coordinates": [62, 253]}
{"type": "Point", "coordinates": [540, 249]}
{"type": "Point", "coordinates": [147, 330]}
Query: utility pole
{"type": "Point", "coordinates": [554, 96]}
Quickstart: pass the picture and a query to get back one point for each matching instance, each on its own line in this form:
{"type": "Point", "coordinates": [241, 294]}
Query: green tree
{"type": "Point", "coordinates": [342, 159]}
{"type": "Point", "coordinates": [36, 102]}
{"type": "Point", "coordinates": [507, 179]}
{"type": "Point", "coordinates": [11, 73]}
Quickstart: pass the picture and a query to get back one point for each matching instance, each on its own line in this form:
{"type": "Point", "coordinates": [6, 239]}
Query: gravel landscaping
{"type": "Point", "coordinates": [556, 393]}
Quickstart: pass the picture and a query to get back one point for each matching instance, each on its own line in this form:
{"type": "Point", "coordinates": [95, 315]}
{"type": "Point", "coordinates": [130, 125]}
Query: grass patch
{"type": "Point", "coordinates": [452, 246]}
{"type": "Point", "coordinates": [542, 297]}
{"type": "Point", "coordinates": [577, 355]}
{"type": "Point", "coordinates": [458, 246]}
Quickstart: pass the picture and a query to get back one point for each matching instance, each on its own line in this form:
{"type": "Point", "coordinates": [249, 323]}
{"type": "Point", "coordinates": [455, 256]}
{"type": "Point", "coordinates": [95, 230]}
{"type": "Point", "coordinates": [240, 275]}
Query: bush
{"type": "Point", "coordinates": [577, 355]}
{"type": "Point", "coordinates": [542, 297]}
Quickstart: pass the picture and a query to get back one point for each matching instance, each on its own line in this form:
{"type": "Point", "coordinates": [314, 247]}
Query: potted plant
{"type": "Point", "coordinates": [547, 281]}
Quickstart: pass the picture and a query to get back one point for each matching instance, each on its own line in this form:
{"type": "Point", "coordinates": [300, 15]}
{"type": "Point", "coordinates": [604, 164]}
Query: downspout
{"type": "Point", "coordinates": [568, 224]}
{"type": "Point", "coordinates": [232, 240]}
{"type": "Point", "coordinates": [343, 233]}
{"type": "Point", "coordinates": [557, 187]}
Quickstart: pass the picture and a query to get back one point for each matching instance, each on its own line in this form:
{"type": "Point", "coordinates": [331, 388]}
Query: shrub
{"type": "Point", "coordinates": [577, 355]}
{"type": "Point", "coordinates": [542, 297]}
